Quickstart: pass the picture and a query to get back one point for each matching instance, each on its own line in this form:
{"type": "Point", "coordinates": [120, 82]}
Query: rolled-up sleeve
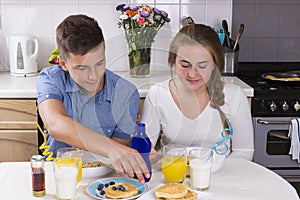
{"type": "Point", "coordinates": [48, 87]}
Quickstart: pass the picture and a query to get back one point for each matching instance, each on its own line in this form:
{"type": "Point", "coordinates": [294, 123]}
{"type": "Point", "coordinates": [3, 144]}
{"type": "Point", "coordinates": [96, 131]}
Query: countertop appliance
{"type": "Point", "coordinates": [274, 104]}
{"type": "Point", "coordinates": [23, 54]}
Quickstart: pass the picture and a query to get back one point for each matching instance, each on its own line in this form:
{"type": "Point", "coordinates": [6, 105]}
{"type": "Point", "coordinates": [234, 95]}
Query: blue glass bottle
{"type": "Point", "coordinates": [142, 144]}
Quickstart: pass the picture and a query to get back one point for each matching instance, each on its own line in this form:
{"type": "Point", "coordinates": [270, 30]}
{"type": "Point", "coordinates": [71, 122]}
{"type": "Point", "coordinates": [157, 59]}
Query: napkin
{"type": "Point", "coordinates": [294, 134]}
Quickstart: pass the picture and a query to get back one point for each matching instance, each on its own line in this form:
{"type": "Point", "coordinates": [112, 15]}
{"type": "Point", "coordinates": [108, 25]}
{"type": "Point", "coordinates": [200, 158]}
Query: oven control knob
{"type": "Point", "coordinates": [273, 106]}
{"type": "Point", "coordinates": [285, 106]}
{"type": "Point", "coordinates": [297, 106]}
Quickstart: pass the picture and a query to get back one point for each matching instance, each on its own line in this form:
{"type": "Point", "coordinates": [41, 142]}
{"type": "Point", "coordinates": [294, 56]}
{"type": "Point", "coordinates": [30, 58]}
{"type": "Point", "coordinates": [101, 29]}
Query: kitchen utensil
{"type": "Point", "coordinates": [241, 30]}
{"type": "Point", "coordinates": [186, 20]}
{"type": "Point", "coordinates": [219, 30]}
{"type": "Point", "coordinates": [23, 54]}
{"type": "Point", "coordinates": [225, 27]}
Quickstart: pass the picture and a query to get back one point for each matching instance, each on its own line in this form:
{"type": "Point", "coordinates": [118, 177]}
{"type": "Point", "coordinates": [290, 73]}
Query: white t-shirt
{"type": "Point", "coordinates": [160, 112]}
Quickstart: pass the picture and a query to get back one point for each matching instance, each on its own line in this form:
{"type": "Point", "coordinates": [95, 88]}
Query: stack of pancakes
{"type": "Point", "coordinates": [130, 191]}
{"type": "Point", "coordinates": [174, 191]}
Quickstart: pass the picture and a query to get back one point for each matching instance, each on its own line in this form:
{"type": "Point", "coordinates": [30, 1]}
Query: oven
{"type": "Point", "coordinates": [272, 146]}
{"type": "Point", "coordinates": [274, 105]}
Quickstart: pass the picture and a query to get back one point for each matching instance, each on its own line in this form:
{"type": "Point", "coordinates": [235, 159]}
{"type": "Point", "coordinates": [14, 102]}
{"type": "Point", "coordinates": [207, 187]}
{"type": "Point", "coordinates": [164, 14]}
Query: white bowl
{"type": "Point", "coordinates": [94, 172]}
{"type": "Point", "coordinates": [217, 162]}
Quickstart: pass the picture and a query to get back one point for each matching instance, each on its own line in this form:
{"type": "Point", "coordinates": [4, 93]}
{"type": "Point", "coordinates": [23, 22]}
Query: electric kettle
{"type": "Point", "coordinates": [23, 54]}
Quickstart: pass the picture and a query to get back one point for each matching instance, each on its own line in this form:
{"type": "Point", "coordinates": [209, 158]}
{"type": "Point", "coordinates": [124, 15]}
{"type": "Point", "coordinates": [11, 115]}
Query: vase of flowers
{"type": "Point", "coordinates": [141, 24]}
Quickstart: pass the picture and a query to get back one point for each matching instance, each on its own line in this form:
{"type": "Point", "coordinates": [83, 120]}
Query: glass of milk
{"type": "Point", "coordinates": [200, 163]}
{"type": "Point", "coordinates": [65, 174]}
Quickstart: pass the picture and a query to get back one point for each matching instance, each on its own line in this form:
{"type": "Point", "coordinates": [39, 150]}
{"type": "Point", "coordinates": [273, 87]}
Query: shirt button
{"type": "Point", "coordinates": [109, 130]}
{"type": "Point", "coordinates": [47, 95]}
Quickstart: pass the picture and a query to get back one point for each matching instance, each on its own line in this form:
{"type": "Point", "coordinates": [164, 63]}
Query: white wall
{"type": "Point", "coordinates": [41, 17]}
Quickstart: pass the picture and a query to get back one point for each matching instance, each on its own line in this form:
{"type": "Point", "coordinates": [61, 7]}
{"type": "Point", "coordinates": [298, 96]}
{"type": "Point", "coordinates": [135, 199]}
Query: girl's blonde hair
{"type": "Point", "coordinates": [195, 34]}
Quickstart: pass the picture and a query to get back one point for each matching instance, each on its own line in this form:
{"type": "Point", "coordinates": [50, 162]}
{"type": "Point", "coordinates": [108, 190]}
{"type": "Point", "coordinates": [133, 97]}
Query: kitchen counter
{"type": "Point", "coordinates": [25, 87]}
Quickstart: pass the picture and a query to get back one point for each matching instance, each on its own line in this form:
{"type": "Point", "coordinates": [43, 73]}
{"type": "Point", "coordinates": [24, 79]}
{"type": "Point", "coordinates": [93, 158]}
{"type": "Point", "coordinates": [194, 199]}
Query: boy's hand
{"type": "Point", "coordinates": [128, 161]}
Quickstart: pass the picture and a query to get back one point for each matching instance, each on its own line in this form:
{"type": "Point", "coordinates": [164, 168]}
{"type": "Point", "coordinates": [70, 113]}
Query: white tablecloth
{"type": "Point", "coordinates": [238, 179]}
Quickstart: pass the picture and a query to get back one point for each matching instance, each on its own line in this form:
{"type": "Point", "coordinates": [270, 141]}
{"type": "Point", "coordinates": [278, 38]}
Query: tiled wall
{"type": "Point", "coordinates": [272, 30]}
{"type": "Point", "coordinates": [41, 17]}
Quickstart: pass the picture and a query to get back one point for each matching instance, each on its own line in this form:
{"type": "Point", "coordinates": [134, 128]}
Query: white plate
{"type": "Point", "coordinates": [94, 192]}
{"type": "Point", "coordinates": [94, 172]}
{"type": "Point", "coordinates": [150, 195]}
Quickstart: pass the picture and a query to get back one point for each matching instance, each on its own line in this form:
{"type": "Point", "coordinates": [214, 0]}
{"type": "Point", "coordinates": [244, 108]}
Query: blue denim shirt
{"type": "Point", "coordinates": [111, 112]}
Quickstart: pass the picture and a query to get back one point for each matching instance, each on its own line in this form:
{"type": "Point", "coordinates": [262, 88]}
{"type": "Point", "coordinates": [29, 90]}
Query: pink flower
{"type": "Point", "coordinates": [141, 20]}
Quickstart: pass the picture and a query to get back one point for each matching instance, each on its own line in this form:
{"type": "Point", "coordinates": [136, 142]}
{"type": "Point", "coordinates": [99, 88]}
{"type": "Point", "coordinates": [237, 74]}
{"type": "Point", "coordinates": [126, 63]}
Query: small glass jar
{"type": "Point", "coordinates": [38, 176]}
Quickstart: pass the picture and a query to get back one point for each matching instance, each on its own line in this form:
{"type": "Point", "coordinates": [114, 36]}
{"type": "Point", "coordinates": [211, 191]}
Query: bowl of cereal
{"type": "Point", "coordinates": [94, 166]}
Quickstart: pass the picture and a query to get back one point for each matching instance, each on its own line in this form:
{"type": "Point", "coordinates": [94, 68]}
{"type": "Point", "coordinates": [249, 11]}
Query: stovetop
{"type": "Point", "coordinates": [263, 86]}
{"type": "Point", "coordinates": [271, 98]}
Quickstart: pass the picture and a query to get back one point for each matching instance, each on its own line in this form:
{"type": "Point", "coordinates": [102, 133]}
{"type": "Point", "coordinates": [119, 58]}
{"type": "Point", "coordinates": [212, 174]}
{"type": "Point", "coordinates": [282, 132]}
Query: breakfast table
{"type": "Point", "coordinates": [237, 179]}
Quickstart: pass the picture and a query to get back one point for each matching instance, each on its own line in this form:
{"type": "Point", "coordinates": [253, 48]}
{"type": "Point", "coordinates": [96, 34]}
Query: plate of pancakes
{"type": "Point", "coordinates": [175, 191]}
{"type": "Point", "coordinates": [116, 188]}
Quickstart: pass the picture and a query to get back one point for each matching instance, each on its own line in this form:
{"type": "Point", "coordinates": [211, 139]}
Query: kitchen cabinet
{"type": "Point", "coordinates": [140, 111]}
{"type": "Point", "coordinates": [18, 133]}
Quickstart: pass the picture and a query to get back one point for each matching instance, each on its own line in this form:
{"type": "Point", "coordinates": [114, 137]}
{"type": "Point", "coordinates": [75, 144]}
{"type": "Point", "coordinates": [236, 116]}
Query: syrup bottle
{"type": "Point", "coordinates": [38, 176]}
{"type": "Point", "coordinates": [142, 144]}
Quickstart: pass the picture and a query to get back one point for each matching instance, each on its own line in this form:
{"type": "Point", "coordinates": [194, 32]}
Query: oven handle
{"type": "Point", "coordinates": [273, 122]}
{"type": "Point", "coordinates": [280, 135]}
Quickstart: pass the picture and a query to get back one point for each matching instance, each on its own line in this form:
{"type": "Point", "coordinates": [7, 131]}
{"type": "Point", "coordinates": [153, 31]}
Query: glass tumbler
{"type": "Point", "coordinates": [174, 163]}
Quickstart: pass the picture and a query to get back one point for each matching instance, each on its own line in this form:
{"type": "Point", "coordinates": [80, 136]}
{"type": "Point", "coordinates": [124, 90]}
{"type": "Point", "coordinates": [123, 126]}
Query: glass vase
{"type": "Point", "coordinates": [139, 62]}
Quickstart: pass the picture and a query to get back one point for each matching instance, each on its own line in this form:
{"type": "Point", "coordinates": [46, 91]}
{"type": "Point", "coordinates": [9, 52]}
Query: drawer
{"type": "Point", "coordinates": [17, 114]}
{"type": "Point", "coordinates": [18, 145]}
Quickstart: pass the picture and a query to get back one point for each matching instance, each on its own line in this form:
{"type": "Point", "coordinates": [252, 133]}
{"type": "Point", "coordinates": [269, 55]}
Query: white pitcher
{"type": "Point", "coordinates": [23, 54]}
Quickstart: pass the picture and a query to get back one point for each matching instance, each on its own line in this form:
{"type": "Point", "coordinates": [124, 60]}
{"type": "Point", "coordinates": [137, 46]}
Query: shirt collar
{"type": "Point", "coordinates": [108, 91]}
{"type": "Point", "coordinates": [71, 86]}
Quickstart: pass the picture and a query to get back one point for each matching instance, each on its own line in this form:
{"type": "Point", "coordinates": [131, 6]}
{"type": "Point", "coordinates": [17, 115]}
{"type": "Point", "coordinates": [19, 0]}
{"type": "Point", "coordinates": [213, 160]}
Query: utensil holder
{"type": "Point", "coordinates": [231, 59]}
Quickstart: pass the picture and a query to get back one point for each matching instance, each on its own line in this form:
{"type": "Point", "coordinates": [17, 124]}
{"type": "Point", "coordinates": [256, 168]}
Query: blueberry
{"type": "Point", "coordinates": [100, 187]}
{"type": "Point", "coordinates": [102, 192]}
{"type": "Point", "coordinates": [112, 183]}
{"type": "Point", "coordinates": [106, 184]}
{"type": "Point", "coordinates": [114, 188]}
{"type": "Point", "coordinates": [120, 187]}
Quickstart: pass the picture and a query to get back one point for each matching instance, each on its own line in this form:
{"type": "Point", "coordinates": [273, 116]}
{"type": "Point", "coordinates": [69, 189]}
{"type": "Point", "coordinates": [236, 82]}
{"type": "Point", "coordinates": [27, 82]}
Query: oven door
{"type": "Point", "coordinates": [272, 145]}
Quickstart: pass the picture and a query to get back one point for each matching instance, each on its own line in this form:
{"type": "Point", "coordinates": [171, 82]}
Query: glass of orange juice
{"type": "Point", "coordinates": [174, 163]}
{"type": "Point", "coordinates": [71, 152]}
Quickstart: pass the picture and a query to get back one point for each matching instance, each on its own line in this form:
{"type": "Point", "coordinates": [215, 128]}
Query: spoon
{"type": "Point", "coordinates": [241, 30]}
{"type": "Point", "coordinates": [225, 27]}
